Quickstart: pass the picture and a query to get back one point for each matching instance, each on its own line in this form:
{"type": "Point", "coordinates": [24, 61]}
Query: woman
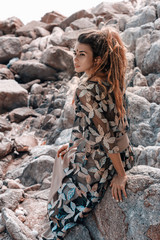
{"type": "Point", "coordinates": [99, 152]}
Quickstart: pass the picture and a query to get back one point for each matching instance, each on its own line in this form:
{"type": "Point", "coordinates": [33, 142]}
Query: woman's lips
{"type": "Point", "coordinates": [76, 66]}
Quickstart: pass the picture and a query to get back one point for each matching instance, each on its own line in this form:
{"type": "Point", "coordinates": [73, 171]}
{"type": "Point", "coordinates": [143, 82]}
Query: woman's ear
{"type": "Point", "coordinates": [98, 60]}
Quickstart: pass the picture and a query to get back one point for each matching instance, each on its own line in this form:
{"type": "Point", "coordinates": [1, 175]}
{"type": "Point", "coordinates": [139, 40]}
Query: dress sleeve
{"type": "Point", "coordinates": [101, 116]}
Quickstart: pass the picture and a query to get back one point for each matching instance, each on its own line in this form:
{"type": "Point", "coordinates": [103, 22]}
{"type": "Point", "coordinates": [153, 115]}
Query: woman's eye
{"type": "Point", "coordinates": [82, 54]}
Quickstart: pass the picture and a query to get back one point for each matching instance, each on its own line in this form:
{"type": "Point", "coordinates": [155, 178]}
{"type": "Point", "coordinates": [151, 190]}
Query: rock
{"type": "Point", "coordinates": [28, 85]}
{"type": "Point", "coordinates": [4, 125]}
{"type": "Point", "coordinates": [29, 29]}
{"type": "Point", "coordinates": [10, 47]}
{"type": "Point", "coordinates": [16, 229]}
{"type": "Point", "coordinates": [58, 58]}
{"type": "Point", "coordinates": [130, 35]}
{"type": "Point", "coordinates": [150, 63]}
{"type": "Point", "coordinates": [56, 36]}
{"type": "Point", "coordinates": [158, 9]}
{"type": "Point", "coordinates": [145, 15]}
{"type": "Point", "coordinates": [82, 23]}
{"type": "Point", "coordinates": [49, 121]}
{"type": "Point", "coordinates": [50, 150]}
{"type": "Point", "coordinates": [148, 156]}
{"type": "Point", "coordinates": [32, 69]}
{"type": "Point", "coordinates": [141, 52]}
{"type": "Point", "coordinates": [37, 170]}
{"type": "Point", "coordinates": [142, 191]}
{"type": "Point", "coordinates": [41, 32]}
{"type": "Point", "coordinates": [13, 184]}
{"type": "Point", "coordinates": [110, 9]}
{"type": "Point", "coordinates": [36, 89]}
{"type": "Point", "coordinates": [149, 93]}
{"type": "Point", "coordinates": [35, 221]}
{"type": "Point", "coordinates": [78, 15]}
{"type": "Point", "coordinates": [6, 147]}
{"type": "Point", "coordinates": [5, 73]}
{"type": "Point", "coordinates": [15, 96]}
{"type": "Point", "coordinates": [10, 25]}
{"type": "Point", "coordinates": [139, 114]}
{"type": "Point", "coordinates": [52, 17]}
{"type": "Point", "coordinates": [11, 198]}
{"type": "Point", "coordinates": [19, 114]}
{"type": "Point", "coordinates": [25, 143]}
{"type": "Point", "coordinates": [35, 100]}
{"type": "Point", "coordinates": [64, 137]}
{"type": "Point", "coordinates": [77, 233]}
{"type": "Point", "coordinates": [157, 24]}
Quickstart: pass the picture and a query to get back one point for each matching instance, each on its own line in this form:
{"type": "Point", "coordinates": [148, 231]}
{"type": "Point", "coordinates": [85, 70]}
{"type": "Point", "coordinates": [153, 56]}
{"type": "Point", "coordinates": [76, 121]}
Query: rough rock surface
{"type": "Point", "coordinates": [36, 72]}
{"type": "Point", "coordinates": [12, 95]}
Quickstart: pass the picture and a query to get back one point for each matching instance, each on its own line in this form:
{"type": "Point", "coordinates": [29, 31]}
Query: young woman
{"type": "Point", "coordinates": [99, 151]}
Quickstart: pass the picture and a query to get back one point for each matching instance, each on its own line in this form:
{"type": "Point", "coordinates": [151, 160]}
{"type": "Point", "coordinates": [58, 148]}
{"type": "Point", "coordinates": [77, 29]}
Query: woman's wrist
{"type": "Point", "coordinates": [123, 174]}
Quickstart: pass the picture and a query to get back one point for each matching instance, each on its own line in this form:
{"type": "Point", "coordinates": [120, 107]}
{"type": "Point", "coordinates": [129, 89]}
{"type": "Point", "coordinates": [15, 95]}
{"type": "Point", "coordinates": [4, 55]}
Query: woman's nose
{"type": "Point", "coordinates": [75, 58]}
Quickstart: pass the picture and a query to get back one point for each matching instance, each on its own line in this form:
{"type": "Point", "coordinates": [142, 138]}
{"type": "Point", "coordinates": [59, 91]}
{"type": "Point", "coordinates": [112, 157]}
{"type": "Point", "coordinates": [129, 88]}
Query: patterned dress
{"type": "Point", "coordinates": [97, 131]}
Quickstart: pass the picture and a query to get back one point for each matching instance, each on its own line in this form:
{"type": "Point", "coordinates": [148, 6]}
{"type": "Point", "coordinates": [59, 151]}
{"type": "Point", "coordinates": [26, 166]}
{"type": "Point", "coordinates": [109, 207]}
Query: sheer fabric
{"type": "Point", "coordinates": [87, 169]}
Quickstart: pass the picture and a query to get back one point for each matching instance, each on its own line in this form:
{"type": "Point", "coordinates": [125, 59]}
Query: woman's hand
{"type": "Point", "coordinates": [118, 185]}
{"type": "Point", "coordinates": [61, 152]}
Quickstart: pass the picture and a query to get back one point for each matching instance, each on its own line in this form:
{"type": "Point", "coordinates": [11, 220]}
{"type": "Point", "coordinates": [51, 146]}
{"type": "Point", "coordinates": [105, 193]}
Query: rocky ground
{"type": "Point", "coordinates": [37, 84]}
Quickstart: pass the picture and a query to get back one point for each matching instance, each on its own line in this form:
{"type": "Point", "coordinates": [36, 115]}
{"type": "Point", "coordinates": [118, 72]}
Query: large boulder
{"type": "Point", "coordinates": [32, 69]}
{"type": "Point", "coordinates": [58, 58]}
{"type": "Point", "coordinates": [10, 47]}
{"type": "Point", "coordinates": [75, 16]}
{"type": "Point", "coordinates": [11, 198]}
{"type": "Point", "coordinates": [53, 17]}
{"type": "Point", "coordinates": [37, 170]}
{"type": "Point", "coordinates": [28, 30]}
{"type": "Point", "coordinates": [6, 147]}
{"type": "Point", "coordinates": [10, 25]}
{"type": "Point", "coordinates": [130, 35]}
{"type": "Point", "coordinates": [82, 23]}
{"type": "Point", "coordinates": [109, 10]}
{"type": "Point", "coordinates": [16, 229]}
{"type": "Point", "coordinates": [12, 95]}
{"type": "Point", "coordinates": [145, 15]}
{"type": "Point", "coordinates": [138, 215]}
{"type": "Point", "coordinates": [19, 114]}
{"type": "Point", "coordinates": [56, 36]}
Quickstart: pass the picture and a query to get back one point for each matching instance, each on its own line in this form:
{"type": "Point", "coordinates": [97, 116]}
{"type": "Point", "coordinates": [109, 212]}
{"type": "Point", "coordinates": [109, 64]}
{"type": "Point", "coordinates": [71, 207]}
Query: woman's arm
{"type": "Point", "coordinates": [119, 181]}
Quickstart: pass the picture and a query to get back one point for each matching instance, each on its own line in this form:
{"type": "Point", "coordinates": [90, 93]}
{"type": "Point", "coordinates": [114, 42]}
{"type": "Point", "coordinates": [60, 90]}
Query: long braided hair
{"type": "Point", "coordinates": [108, 45]}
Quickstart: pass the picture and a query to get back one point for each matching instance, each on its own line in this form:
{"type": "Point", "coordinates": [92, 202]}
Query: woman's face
{"type": "Point", "coordinates": [83, 58]}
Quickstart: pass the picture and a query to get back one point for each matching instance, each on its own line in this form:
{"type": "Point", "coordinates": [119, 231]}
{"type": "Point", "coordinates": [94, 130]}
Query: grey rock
{"type": "Point", "coordinates": [77, 233]}
{"type": "Point", "coordinates": [16, 229]}
{"type": "Point", "coordinates": [19, 114]}
{"type": "Point", "coordinates": [75, 16]}
{"type": "Point", "coordinates": [5, 73]}
{"type": "Point", "coordinates": [10, 47]}
{"type": "Point", "coordinates": [6, 147]}
{"type": "Point", "coordinates": [32, 69]}
{"type": "Point", "coordinates": [4, 125]}
{"type": "Point", "coordinates": [56, 36]}
{"type": "Point", "coordinates": [15, 96]}
{"type": "Point", "coordinates": [11, 198]}
{"type": "Point", "coordinates": [145, 15]}
{"type": "Point", "coordinates": [37, 170]}
{"type": "Point", "coordinates": [151, 60]}
{"type": "Point", "coordinates": [130, 35]}
{"type": "Point", "coordinates": [82, 23]}
{"type": "Point", "coordinates": [10, 25]}
{"type": "Point", "coordinates": [143, 191]}
{"type": "Point", "coordinates": [28, 30]}
{"type": "Point", "coordinates": [58, 58]}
